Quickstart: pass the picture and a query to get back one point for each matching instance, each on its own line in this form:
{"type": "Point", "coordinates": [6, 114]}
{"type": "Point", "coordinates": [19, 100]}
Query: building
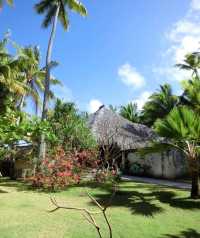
{"type": "Point", "coordinates": [109, 127]}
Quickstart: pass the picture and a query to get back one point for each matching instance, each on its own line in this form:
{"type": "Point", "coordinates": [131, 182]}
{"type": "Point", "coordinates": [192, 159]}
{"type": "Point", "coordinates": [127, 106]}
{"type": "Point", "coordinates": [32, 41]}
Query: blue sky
{"type": "Point", "coordinates": [121, 52]}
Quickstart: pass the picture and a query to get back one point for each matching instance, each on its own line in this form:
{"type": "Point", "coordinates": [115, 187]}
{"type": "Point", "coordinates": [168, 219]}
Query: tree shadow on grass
{"type": "Point", "coordinates": [189, 233]}
{"type": "Point", "coordinates": [139, 203]}
{"type": "Point", "coordinates": [3, 191]}
{"type": "Point", "coordinates": [171, 199]}
{"type": "Point", "coordinates": [20, 185]}
{"type": "Point", "coordinates": [149, 202]}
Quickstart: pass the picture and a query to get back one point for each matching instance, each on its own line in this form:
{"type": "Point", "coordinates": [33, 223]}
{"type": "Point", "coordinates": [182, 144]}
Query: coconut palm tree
{"type": "Point", "coordinates": [158, 105]}
{"type": "Point", "coordinates": [191, 63]}
{"type": "Point", "coordinates": [28, 65]}
{"type": "Point", "coordinates": [191, 96]}
{"type": "Point", "coordinates": [182, 129]}
{"type": "Point", "coordinates": [130, 112]}
{"type": "Point", "coordinates": [8, 73]}
{"type": "Point", "coordinates": [9, 2]}
{"type": "Point", "coordinates": [54, 10]}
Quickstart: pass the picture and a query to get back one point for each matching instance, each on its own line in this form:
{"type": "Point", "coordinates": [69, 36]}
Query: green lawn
{"type": "Point", "coordinates": [138, 211]}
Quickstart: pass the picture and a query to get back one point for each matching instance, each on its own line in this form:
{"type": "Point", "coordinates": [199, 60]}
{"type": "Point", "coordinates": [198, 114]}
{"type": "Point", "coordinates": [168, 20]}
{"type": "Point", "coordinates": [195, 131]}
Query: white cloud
{"type": "Point", "coordinates": [184, 38]}
{"type": "Point", "coordinates": [94, 105]}
{"type": "Point", "coordinates": [195, 5]}
{"type": "Point", "coordinates": [169, 73]}
{"type": "Point", "coordinates": [142, 99]}
{"type": "Point", "coordinates": [130, 77]}
{"type": "Point", "coordinates": [181, 28]}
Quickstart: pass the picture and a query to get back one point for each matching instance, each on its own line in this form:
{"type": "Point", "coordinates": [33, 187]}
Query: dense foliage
{"type": "Point", "coordinates": [182, 127]}
{"type": "Point", "coordinates": [63, 168]}
{"type": "Point", "coordinates": [69, 127]}
{"type": "Point", "coordinates": [130, 112]}
{"type": "Point", "coordinates": [158, 105]}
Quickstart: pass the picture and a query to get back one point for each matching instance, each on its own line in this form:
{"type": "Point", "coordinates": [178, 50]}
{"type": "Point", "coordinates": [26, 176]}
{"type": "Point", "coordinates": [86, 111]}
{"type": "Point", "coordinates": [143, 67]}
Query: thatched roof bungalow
{"type": "Point", "coordinates": [105, 123]}
{"type": "Point", "coordinates": [108, 126]}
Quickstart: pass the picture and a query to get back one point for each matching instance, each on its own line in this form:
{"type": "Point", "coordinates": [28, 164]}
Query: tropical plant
{"type": "Point", "coordinates": [8, 73]}
{"type": "Point", "coordinates": [69, 127]}
{"type": "Point", "coordinates": [29, 72]}
{"type": "Point", "coordinates": [130, 112]}
{"type": "Point", "coordinates": [113, 108]}
{"type": "Point", "coordinates": [191, 63]}
{"type": "Point", "coordinates": [62, 169]}
{"type": "Point", "coordinates": [54, 10]}
{"type": "Point", "coordinates": [158, 105]}
{"type": "Point", "coordinates": [182, 130]}
{"type": "Point", "coordinates": [9, 2]}
{"type": "Point", "coordinates": [191, 95]}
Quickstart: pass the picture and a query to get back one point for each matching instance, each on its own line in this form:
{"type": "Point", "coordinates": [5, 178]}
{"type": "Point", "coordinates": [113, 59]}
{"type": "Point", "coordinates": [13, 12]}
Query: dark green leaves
{"type": "Point", "coordinates": [159, 105]}
{"type": "Point", "coordinates": [48, 8]}
{"type": "Point", "coordinates": [130, 112]}
{"type": "Point", "coordinates": [181, 124]}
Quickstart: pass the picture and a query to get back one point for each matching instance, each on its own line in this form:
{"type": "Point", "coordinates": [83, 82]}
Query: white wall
{"type": "Point", "coordinates": [171, 164]}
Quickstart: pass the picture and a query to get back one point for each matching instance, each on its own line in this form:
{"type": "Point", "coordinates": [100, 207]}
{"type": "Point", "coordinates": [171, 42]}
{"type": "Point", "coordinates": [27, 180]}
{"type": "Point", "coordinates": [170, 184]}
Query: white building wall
{"type": "Point", "coordinates": [170, 165]}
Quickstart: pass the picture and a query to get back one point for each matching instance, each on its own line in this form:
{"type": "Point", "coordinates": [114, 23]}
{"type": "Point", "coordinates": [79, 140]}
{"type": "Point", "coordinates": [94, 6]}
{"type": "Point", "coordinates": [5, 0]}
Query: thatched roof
{"type": "Point", "coordinates": [106, 124]}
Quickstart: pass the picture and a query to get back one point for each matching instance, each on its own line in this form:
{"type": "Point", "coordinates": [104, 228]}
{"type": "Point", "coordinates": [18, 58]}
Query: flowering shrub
{"type": "Point", "coordinates": [107, 175]}
{"type": "Point", "coordinates": [62, 169]}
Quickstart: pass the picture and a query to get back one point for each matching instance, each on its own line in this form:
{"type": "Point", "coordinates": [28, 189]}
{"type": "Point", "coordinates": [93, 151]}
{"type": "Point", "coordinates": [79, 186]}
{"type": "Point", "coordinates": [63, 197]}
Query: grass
{"type": "Point", "coordinates": [138, 211]}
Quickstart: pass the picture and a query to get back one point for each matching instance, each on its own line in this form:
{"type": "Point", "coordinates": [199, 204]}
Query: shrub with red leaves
{"type": "Point", "coordinates": [61, 169]}
{"type": "Point", "coordinates": [107, 175]}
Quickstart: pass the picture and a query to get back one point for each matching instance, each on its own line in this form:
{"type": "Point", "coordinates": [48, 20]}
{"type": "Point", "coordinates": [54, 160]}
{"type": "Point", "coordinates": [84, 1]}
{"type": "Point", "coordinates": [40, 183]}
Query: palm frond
{"type": "Point", "coordinates": [9, 2]}
{"type": "Point", "coordinates": [63, 16]}
{"type": "Point", "coordinates": [49, 16]}
{"type": "Point", "coordinates": [40, 84]}
{"type": "Point", "coordinates": [76, 6]}
{"type": "Point", "coordinates": [54, 81]}
{"type": "Point", "coordinates": [43, 6]}
{"type": "Point", "coordinates": [181, 123]}
{"type": "Point", "coordinates": [53, 64]}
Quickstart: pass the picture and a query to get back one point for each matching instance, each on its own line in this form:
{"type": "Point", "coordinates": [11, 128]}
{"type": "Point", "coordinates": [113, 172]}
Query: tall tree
{"type": "Point", "coordinates": [158, 105]}
{"type": "Point", "coordinates": [54, 10]}
{"type": "Point", "coordinates": [69, 126]}
{"type": "Point", "coordinates": [191, 96]}
{"type": "Point", "coordinates": [10, 86]}
{"type": "Point", "coordinates": [9, 2]}
{"type": "Point", "coordinates": [182, 129]}
{"type": "Point", "coordinates": [191, 63]}
{"type": "Point", "coordinates": [28, 65]}
{"type": "Point", "coordinates": [130, 112]}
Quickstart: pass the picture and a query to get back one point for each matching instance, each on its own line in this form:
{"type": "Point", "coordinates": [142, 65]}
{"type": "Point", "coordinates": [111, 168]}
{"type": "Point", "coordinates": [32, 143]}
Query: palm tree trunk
{"type": "Point", "coordinates": [21, 103]}
{"type": "Point", "coordinates": [20, 106]}
{"type": "Point", "coordinates": [196, 73]}
{"type": "Point", "coordinates": [195, 191]}
{"type": "Point", "coordinates": [42, 145]}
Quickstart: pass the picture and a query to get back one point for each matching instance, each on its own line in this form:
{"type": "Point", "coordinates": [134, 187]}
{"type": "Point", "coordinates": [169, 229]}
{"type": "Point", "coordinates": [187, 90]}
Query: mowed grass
{"type": "Point", "coordinates": [138, 211]}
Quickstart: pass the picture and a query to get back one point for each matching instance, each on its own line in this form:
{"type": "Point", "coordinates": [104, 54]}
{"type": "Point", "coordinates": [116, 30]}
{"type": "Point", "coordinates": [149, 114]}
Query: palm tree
{"type": "Point", "coordinates": [130, 112]}
{"type": "Point", "coordinates": [158, 105]}
{"type": "Point", "coordinates": [182, 129]}
{"type": "Point", "coordinates": [54, 10]}
{"type": "Point", "coordinates": [113, 108]}
{"type": "Point", "coordinates": [191, 63]}
{"type": "Point", "coordinates": [191, 96]}
{"type": "Point", "coordinates": [28, 65]}
{"type": "Point", "coordinates": [8, 73]}
{"type": "Point", "coordinates": [9, 2]}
